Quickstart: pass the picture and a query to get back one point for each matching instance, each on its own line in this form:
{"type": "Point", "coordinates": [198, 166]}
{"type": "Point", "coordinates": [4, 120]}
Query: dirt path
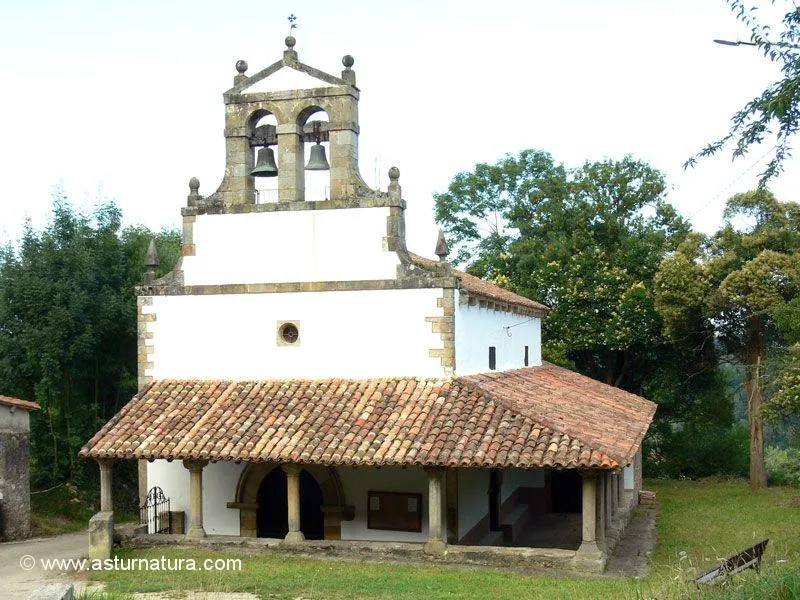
{"type": "Point", "coordinates": [21, 568]}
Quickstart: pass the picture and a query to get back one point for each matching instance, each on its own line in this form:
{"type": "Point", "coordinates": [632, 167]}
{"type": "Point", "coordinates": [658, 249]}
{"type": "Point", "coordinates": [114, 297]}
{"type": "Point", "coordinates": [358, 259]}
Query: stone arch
{"type": "Point", "coordinates": [305, 113]}
{"type": "Point", "coordinates": [334, 508]}
{"type": "Point", "coordinates": [257, 110]}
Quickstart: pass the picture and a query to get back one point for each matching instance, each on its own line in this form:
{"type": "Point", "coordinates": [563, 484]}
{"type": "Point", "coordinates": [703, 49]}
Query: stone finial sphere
{"type": "Point", "coordinates": [194, 184]}
{"type": "Point", "coordinates": [290, 41]}
{"type": "Point", "coordinates": [394, 173]}
{"type": "Point", "coordinates": [241, 66]}
{"type": "Point", "coordinates": [348, 61]}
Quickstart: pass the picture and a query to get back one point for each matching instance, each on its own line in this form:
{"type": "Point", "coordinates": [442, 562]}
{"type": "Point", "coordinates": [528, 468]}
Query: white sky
{"type": "Point", "coordinates": [124, 99]}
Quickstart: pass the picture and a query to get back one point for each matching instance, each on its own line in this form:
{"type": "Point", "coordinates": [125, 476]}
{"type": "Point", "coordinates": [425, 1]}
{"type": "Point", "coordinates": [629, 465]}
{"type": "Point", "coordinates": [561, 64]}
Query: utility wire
{"type": "Point", "coordinates": [731, 184]}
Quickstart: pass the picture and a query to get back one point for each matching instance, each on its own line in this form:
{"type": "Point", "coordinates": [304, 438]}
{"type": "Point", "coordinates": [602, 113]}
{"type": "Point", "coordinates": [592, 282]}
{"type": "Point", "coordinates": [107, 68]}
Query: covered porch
{"type": "Point", "coordinates": [480, 461]}
{"type": "Point", "coordinates": [296, 506]}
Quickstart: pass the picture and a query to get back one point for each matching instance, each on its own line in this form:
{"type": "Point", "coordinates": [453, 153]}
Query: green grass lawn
{"type": "Point", "coordinates": [700, 522]}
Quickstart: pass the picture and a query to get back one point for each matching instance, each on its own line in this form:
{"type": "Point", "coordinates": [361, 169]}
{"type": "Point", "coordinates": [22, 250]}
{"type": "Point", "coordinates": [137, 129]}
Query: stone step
{"type": "Point", "coordinates": [493, 538]}
{"type": "Point", "coordinates": [515, 522]}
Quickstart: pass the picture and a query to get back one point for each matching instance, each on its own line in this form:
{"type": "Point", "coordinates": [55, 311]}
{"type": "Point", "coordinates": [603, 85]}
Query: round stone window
{"type": "Point", "coordinates": [289, 333]}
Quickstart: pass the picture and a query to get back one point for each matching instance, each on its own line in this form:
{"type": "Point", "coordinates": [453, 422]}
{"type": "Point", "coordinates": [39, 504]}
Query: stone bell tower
{"type": "Point", "coordinates": [246, 104]}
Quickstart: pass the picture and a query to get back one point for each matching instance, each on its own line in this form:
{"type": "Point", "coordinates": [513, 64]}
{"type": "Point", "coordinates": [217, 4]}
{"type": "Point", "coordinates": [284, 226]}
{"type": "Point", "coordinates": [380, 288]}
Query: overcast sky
{"type": "Point", "coordinates": [123, 100]}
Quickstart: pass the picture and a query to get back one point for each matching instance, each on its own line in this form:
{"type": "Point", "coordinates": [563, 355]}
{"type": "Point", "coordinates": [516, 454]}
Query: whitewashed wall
{"type": "Point", "coordinates": [356, 484]}
{"type": "Point", "coordinates": [287, 79]}
{"type": "Point", "coordinates": [628, 477]}
{"type": "Point", "coordinates": [514, 479]}
{"type": "Point", "coordinates": [219, 488]}
{"type": "Point", "coordinates": [478, 328]}
{"type": "Point", "coordinates": [473, 498]}
{"type": "Point", "coordinates": [289, 246]}
{"type": "Point", "coordinates": [342, 334]}
{"type": "Point", "coordinates": [473, 492]}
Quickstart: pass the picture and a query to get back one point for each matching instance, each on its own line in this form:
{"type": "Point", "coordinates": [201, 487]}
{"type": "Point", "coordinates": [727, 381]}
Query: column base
{"type": "Point", "coordinates": [590, 558]}
{"type": "Point", "coordinates": [436, 547]}
{"type": "Point", "coordinates": [196, 533]}
{"type": "Point", "coordinates": [294, 538]}
{"type": "Point", "coordinates": [101, 535]}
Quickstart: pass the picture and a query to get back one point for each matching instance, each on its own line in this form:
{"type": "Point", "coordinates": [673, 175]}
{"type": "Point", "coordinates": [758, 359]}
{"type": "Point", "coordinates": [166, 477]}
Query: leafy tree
{"type": "Point", "coordinates": [68, 328]}
{"type": "Point", "coordinates": [738, 281]}
{"type": "Point", "coordinates": [775, 113]}
{"type": "Point", "coordinates": [785, 403]}
{"type": "Point", "coordinates": [588, 242]}
{"type": "Point", "coordinates": [585, 241]}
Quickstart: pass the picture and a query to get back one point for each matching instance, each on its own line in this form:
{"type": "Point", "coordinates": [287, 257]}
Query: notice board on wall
{"type": "Point", "coordinates": [394, 511]}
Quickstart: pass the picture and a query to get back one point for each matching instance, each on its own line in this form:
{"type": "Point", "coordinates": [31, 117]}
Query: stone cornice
{"type": "Point", "coordinates": [373, 201]}
{"type": "Point", "coordinates": [405, 283]}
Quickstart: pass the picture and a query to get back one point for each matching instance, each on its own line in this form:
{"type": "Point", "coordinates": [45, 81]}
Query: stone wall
{"type": "Point", "coordinates": [15, 506]}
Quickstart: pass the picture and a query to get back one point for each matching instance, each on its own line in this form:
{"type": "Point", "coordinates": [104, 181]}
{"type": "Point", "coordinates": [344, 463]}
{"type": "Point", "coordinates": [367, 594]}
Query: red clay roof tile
{"type": "Point", "coordinates": [479, 287]}
{"type": "Point", "coordinates": [17, 403]}
{"type": "Point", "coordinates": [534, 417]}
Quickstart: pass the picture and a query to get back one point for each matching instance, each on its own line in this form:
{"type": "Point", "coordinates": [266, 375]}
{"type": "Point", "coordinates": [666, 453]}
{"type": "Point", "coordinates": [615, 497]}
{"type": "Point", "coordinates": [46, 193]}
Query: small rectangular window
{"type": "Point", "coordinates": [526, 356]}
{"type": "Point", "coordinates": [492, 358]}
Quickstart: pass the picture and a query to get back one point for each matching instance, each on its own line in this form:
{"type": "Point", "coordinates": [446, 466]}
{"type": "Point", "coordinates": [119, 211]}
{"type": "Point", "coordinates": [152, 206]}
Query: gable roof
{"type": "Point", "coordinates": [17, 403]}
{"type": "Point", "coordinates": [397, 421]}
{"type": "Point", "coordinates": [479, 287]}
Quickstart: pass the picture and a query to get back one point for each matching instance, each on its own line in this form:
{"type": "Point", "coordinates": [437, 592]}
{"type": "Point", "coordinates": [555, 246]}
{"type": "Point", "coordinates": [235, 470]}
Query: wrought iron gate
{"type": "Point", "coordinates": [155, 512]}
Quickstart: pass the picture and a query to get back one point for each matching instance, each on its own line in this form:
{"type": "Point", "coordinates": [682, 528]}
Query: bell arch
{"type": "Point", "coordinates": [334, 508]}
{"type": "Point", "coordinates": [314, 123]}
{"type": "Point", "coordinates": [262, 168]}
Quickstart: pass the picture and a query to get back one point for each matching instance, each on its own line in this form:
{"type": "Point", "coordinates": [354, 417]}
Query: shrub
{"type": "Point", "coordinates": [783, 466]}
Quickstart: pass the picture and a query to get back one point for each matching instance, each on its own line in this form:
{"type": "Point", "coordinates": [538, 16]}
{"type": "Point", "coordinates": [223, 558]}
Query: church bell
{"type": "Point", "coordinates": [317, 161]}
{"type": "Point", "coordinates": [265, 165]}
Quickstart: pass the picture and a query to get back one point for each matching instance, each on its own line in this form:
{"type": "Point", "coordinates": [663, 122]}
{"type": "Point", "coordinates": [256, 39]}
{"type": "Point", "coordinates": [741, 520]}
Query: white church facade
{"type": "Point", "coordinates": [303, 375]}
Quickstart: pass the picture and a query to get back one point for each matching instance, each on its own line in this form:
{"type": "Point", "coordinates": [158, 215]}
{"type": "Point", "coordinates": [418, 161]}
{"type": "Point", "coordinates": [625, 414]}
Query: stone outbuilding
{"type": "Point", "coordinates": [304, 376]}
{"type": "Point", "coordinates": [15, 489]}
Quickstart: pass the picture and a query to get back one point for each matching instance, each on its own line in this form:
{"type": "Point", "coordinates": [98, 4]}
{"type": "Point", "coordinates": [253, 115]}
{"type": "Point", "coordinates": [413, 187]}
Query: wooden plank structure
{"type": "Point", "coordinates": [749, 558]}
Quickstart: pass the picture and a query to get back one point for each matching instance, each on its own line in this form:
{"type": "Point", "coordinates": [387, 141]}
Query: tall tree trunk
{"type": "Point", "coordinates": [755, 397]}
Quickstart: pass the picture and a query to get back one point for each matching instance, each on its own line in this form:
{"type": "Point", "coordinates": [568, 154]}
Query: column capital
{"type": "Point", "coordinates": [590, 474]}
{"type": "Point", "coordinates": [194, 465]}
{"type": "Point", "coordinates": [434, 470]}
{"type": "Point", "coordinates": [105, 463]}
{"type": "Point", "coordinates": [291, 469]}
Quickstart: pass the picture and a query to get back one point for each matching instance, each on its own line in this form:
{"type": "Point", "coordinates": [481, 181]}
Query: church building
{"type": "Point", "coordinates": [303, 375]}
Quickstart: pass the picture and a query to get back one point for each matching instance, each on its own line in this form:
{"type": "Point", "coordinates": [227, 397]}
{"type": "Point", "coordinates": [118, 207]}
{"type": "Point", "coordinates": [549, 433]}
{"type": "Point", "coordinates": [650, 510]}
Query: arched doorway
{"type": "Point", "coordinates": [253, 482]}
{"type": "Point", "coordinates": [271, 516]}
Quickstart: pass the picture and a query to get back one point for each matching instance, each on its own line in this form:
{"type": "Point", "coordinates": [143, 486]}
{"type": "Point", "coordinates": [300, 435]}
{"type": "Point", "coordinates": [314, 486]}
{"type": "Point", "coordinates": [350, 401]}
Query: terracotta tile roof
{"type": "Point", "coordinates": [17, 403]}
{"type": "Point", "coordinates": [403, 421]}
{"type": "Point", "coordinates": [600, 415]}
{"type": "Point", "coordinates": [479, 287]}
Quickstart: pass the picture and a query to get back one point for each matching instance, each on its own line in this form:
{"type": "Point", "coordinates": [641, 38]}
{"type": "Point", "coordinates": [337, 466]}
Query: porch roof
{"type": "Point", "coordinates": [534, 417]}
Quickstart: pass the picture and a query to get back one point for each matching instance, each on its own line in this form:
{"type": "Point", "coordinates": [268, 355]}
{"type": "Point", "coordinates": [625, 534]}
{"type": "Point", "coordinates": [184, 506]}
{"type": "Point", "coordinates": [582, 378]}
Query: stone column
{"type": "Point", "coordinates": [589, 555]}
{"type": "Point", "coordinates": [620, 490]}
{"type": "Point", "coordinates": [101, 525]}
{"type": "Point", "coordinates": [600, 511]}
{"type": "Point", "coordinates": [589, 513]}
{"type": "Point", "coordinates": [637, 472]}
{"type": "Point", "coordinates": [195, 468]}
{"type": "Point", "coordinates": [295, 536]}
{"type": "Point", "coordinates": [143, 489]}
{"type": "Point", "coordinates": [106, 479]}
{"type": "Point", "coordinates": [436, 543]}
{"type": "Point", "coordinates": [291, 173]}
